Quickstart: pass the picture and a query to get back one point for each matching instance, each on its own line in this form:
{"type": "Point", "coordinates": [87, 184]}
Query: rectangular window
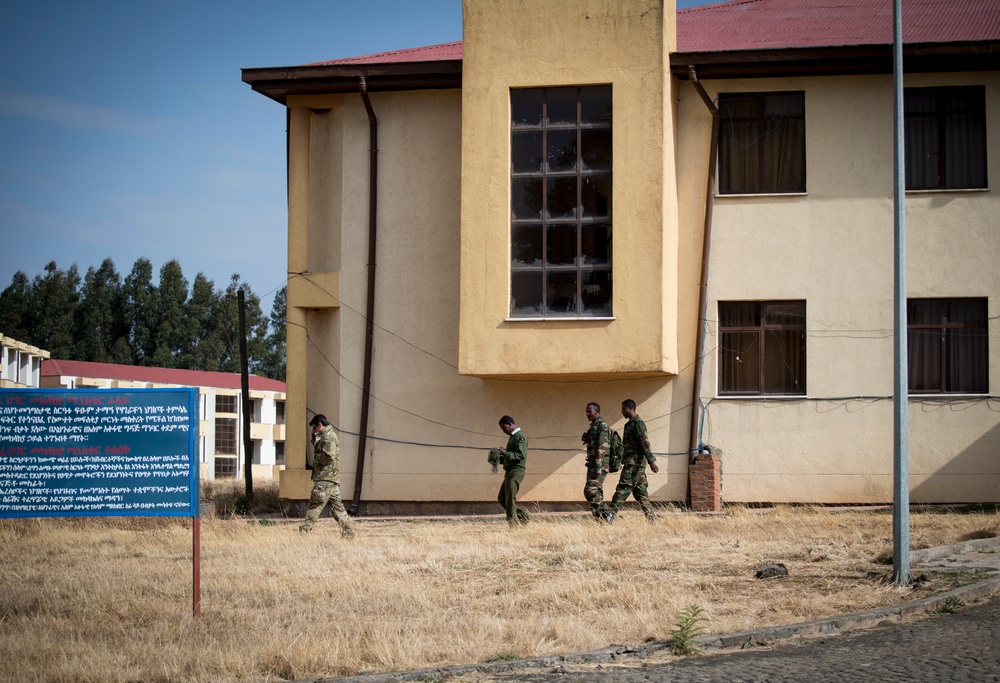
{"type": "Point", "coordinates": [945, 138]}
{"type": "Point", "coordinates": [225, 403]}
{"type": "Point", "coordinates": [948, 346]}
{"type": "Point", "coordinates": [279, 453]}
{"type": "Point", "coordinates": [762, 347]}
{"type": "Point", "coordinates": [225, 435]}
{"type": "Point", "coordinates": [560, 202]}
{"type": "Point", "coordinates": [279, 412]}
{"type": "Point", "coordinates": [762, 143]}
{"type": "Point", "coordinates": [225, 467]}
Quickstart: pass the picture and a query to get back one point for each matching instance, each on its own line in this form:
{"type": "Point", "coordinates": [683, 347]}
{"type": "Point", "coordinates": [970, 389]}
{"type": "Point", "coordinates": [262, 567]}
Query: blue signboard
{"type": "Point", "coordinates": [102, 452]}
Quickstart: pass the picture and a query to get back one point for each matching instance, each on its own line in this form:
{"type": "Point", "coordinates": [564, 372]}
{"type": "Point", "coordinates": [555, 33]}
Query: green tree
{"type": "Point", "coordinates": [17, 310]}
{"type": "Point", "coordinates": [170, 324]}
{"type": "Point", "coordinates": [203, 347]}
{"type": "Point", "coordinates": [273, 365]}
{"type": "Point", "coordinates": [140, 302]}
{"type": "Point", "coordinates": [99, 324]}
{"type": "Point", "coordinates": [226, 324]}
{"type": "Point", "coordinates": [55, 299]}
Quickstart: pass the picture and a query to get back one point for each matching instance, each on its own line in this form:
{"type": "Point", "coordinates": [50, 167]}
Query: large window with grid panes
{"type": "Point", "coordinates": [560, 202]}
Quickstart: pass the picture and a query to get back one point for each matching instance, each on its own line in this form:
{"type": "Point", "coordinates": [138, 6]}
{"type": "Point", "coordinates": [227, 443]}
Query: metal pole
{"type": "Point", "coordinates": [245, 384]}
{"type": "Point", "coordinates": [901, 474]}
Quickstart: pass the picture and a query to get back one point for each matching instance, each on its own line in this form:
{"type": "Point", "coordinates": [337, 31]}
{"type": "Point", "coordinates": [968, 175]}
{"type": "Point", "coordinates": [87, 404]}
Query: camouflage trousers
{"type": "Point", "coordinates": [507, 497]}
{"type": "Point", "coordinates": [324, 492]}
{"type": "Point", "coordinates": [593, 491]}
{"type": "Point", "coordinates": [633, 480]}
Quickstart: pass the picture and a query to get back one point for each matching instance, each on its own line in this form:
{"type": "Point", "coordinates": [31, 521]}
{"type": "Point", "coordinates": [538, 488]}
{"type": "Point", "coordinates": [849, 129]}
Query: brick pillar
{"type": "Point", "coordinates": [705, 474]}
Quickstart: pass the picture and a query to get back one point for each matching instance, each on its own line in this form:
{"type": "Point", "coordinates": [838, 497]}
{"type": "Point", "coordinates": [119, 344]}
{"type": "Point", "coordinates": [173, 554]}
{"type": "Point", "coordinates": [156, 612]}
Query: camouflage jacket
{"type": "Point", "coordinates": [636, 444]}
{"type": "Point", "coordinates": [326, 456]}
{"type": "Point", "coordinates": [598, 445]}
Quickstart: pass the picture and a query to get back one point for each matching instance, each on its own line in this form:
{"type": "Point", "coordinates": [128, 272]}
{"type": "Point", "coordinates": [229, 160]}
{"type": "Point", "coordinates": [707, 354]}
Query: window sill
{"type": "Point", "coordinates": [761, 194]}
{"type": "Point", "coordinates": [567, 318]}
{"type": "Point", "coordinates": [941, 190]}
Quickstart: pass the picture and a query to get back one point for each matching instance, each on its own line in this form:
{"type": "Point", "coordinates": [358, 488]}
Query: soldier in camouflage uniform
{"type": "Point", "coordinates": [326, 477]}
{"type": "Point", "coordinates": [598, 442]}
{"type": "Point", "coordinates": [637, 454]}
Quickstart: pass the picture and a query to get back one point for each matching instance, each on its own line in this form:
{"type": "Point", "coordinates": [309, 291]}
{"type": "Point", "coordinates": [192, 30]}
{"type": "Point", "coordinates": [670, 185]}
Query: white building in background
{"type": "Point", "coordinates": [220, 438]}
{"type": "Point", "coordinates": [20, 364]}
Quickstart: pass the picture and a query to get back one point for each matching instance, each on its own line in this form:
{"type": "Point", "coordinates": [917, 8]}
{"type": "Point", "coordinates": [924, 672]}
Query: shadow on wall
{"type": "Point", "coordinates": [972, 475]}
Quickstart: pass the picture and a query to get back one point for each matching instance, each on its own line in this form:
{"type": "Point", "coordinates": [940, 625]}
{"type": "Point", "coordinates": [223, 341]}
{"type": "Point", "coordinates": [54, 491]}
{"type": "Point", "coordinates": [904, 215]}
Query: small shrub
{"type": "Point", "coordinates": [687, 628]}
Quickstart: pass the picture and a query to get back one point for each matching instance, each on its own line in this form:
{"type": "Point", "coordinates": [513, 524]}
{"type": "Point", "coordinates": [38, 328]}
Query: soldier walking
{"type": "Point", "coordinates": [637, 454]}
{"type": "Point", "coordinates": [326, 477]}
{"type": "Point", "coordinates": [598, 442]}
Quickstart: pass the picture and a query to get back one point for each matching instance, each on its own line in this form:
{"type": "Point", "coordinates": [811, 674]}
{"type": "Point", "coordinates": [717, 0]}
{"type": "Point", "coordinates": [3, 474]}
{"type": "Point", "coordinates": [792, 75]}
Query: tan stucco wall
{"type": "Point", "coordinates": [429, 426]}
{"type": "Point", "coordinates": [834, 248]}
{"type": "Point", "coordinates": [539, 44]}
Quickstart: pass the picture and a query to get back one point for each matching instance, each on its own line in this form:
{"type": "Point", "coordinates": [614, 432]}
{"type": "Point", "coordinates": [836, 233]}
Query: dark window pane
{"type": "Point", "coordinates": [948, 346]}
{"type": "Point", "coordinates": [526, 197]}
{"type": "Point", "coordinates": [561, 291]}
{"type": "Point", "coordinates": [596, 292]}
{"type": "Point", "coordinates": [561, 154]}
{"type": "Point", "coordinates": [945, 137]}
{"type": "Point", "coordinates": [739, 355]}
{"type": "Point", "coordinates": [561, 198]}
{"type": "Point", "coordinates": [762, 143]}
{"type": "Point", "coordinates": [596, 243]}
{"type": "Point", "coordinates": [595, 104]}
{"type": "Point", "coordinates": [595, 195]}
{"type": "Point", "coordinates": [562, 244]}
{"type": "Point", "coordinates": [526, 293]}
{"type": "Point", "coordinates": [561, 103]}
{"type": "Point", "coordinates": [526, 151]}
{"type": "Point", "coordinates": [526, 245]}
{"type": "Point", "coordinates": [595, 149]}
{"type": "Point", "coordinates": [762, 347]}
{"type": "Point", "coordinates": [526, 107]}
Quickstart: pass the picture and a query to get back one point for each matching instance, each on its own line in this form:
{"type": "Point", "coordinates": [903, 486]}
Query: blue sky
{"type": "Point", "coordinates": [125, 130]}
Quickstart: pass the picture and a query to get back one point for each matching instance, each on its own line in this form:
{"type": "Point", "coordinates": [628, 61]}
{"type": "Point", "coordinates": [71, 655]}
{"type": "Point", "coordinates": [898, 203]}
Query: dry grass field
{"type": "Point", "coordinates": [110, 599]}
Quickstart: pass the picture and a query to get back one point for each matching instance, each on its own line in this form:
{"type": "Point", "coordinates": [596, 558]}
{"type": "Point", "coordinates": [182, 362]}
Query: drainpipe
{"type": "Point", "coordinates": [697, 415]}
{"type": "Point", "coordinates": [370, 313]}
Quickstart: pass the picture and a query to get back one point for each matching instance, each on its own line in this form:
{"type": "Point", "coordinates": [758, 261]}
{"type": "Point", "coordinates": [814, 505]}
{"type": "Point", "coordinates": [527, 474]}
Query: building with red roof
{"type": "Point", "coordinates": [220, 407]}
{"type": "Point", "coordinates": [694, 209]}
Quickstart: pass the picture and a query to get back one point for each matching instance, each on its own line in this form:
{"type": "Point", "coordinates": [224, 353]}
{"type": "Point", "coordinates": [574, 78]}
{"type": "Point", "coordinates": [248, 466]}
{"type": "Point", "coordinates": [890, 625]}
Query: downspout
{"type": "Point", "coordinates": [370, 312]}
{"type": "Point", "coordinates": [697, 415]}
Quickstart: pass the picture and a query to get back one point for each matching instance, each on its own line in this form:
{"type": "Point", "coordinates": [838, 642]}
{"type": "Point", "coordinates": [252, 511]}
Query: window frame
{"type": "Point", "coordinates": [730, 353]}
{"type": "Point", "coordinates": [949, 361]}
{"type": "Point", "coordinates": [584, 269]}
{"type": "Point", "coordinates": [950, 104]}
{"type": "Point", "coordinates": [767, 180]}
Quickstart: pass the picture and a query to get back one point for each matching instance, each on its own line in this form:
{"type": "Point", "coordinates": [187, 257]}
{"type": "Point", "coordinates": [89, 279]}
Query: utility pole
{"type": "Point", "coordinates": [901, 387]}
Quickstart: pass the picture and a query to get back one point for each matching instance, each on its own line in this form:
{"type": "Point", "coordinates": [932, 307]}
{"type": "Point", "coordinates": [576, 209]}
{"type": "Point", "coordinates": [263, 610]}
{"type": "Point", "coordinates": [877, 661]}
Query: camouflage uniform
{"type": "Point", "coordinates": [513, 475]}
{"type": "Point", "coordinates": [598, 440]}
{"type": "Point", "coordinates": [633, 477]}
{"type": "Point", "coordinates": [326, 482]}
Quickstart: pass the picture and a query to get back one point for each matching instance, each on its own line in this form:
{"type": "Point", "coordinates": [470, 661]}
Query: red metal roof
{"type": "Point", "coordinates": [430, 53]}
{"type": "Point", "coordinates": [773, 24]}
{"type": "Point", "coordinates": [135, 373]}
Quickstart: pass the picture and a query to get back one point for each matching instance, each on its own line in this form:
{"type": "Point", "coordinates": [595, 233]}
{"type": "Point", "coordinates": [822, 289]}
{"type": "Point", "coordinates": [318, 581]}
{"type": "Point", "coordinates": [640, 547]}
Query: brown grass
{"type": "Point", "coordinates": [110, 599]}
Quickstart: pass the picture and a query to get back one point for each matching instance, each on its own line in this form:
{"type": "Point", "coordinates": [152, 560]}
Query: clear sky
{"type": "Point", "coordinates": [125, 130]}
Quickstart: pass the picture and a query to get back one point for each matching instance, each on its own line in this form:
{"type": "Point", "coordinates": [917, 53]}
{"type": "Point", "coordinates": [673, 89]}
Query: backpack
{"type": "Point", "coordinates": [616, 451]}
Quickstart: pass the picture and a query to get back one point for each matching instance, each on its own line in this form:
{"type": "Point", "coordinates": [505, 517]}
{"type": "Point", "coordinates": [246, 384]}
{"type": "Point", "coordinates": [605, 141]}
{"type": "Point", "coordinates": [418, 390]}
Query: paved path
{"type": "Point", "coordinates": [959, 646]}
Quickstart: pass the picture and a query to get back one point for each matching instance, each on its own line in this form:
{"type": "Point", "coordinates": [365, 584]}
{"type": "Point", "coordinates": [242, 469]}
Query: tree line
{"type": "Point", "coordinates": [131, 320]}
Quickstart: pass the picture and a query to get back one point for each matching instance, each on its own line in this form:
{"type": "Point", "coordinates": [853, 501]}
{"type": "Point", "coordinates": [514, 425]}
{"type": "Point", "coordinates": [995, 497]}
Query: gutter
{"type": "Point", "coordinates": [370, 312]}
{"type": "Point", "coordinates": [697, 416]}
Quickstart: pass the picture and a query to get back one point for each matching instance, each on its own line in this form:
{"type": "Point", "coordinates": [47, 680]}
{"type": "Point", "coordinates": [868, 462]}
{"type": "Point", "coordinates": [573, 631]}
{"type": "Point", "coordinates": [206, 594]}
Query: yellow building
{"type": "Point", "coordinates": [612, 199]}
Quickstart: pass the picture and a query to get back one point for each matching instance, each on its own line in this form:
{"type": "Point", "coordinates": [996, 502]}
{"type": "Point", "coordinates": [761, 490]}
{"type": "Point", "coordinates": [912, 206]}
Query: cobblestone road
{"type": "Point", "coordinates": [955, 647]}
